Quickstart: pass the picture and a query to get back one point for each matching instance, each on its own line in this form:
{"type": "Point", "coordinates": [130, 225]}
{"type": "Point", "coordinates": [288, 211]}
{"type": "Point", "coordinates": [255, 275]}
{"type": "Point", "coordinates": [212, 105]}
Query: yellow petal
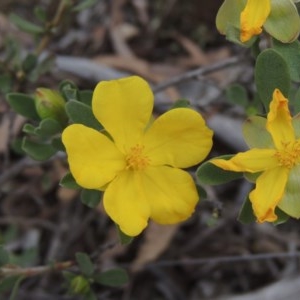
{"type": "Point", "coordinates": [171, 193]}
{"type": "Point", "coordinates": [268, 192]}
{"type": "Point", "coordinates": [279, 121]}
{"type": "Point", "coordinates": [124, 108]}
{"type": "Point", "coordinates": [125, 202]}
{"type": "Point", "coordinates": [253, 17]}
{"type": "Point", "coordinates": [178, 138]}
{"type": "Point", "coordinates": [254, 160]}
{"type": "Point", "coordinates": [93, 158]}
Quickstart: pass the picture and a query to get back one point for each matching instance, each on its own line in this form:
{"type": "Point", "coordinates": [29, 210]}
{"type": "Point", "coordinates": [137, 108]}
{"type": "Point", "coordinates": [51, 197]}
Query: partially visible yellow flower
{"type": "Point", "coordinates": [253, 18]}
{"type": "Point", "coordinates": [139, 166]}
{"type": "Point", "coordinates": [240, 20]}
{"type": "Point", "coordinates": [279, 164]}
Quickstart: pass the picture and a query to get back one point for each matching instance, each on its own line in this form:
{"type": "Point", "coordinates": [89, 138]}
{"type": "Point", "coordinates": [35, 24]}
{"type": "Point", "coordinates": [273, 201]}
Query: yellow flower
{"type": "Point", "coordinates": [279, 164]}
{"type": "Point", "coordinates": [240, 20]}
{"type": "Point", "coordinates": [139, 166]}
{"type": "Point", "coordinates": [253, 17]}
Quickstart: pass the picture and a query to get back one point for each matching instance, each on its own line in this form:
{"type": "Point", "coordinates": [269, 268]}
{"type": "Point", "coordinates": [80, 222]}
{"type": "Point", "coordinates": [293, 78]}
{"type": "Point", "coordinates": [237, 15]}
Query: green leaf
{"type": "Point", "coordinates": [58, 144]}
{"type": "Point", "coordinates": [201, 191]}
{"type": "Point", "coordinates": [25, 25]}
{"type": "Point", "coordinates": [15, 289]}
{"type": "Point", "coordinates": [7, 283]}
{"type": "Point", "coordinates": [4, 256]}
{"type": "Point", "coordinates": [84, 4]}
{"type": "Point", "coordinates": [114, 278]}
{"type": "Point", "coordinates": [90, 296]}
{"type": "Point", "coordinates": [86, 97]}
{"type": "Point", "coordinates": [283, 22]}
{"type": "Point", "coordinates": [81, 113]}
{"type": "Point", "coordinates": [40, 13]}
{"type": "Point", "coordinates": [282, 217]}
{"type": "Point", "coordinates": [296, 125]}
{"type": "Point", "coordinates": [210, 174]}
{"type": "Point", "coordinates": [90, 198]}
{"type": "Point", "coordinates": [69, 90]}
{"type": "Point", "coordinates": [29, 128]}
{"type": "Point", "coordinates": [256, 134]}
{"type": "Point", "coordinates": [237, 94]}
{"type": "Point", "coordinates": [246, 215]}
{"type": "Point", "coordinates": [124, 238]}
{"type": "Point", "coordinates": [37, 150]}
{"type": "Point", "coordinates": [80, 285]}
{"type": "Point", "coordinates": [16, 146]}
{"type": "Point", "coordinates": [29, 63]}
{"type": "Point", "coordinates": [69, 182]}
{"type": "Point", "coordinates": [229, 14]}
{"type": "Point", "coordinates": [290, 203]}
{"type": "Point", "coordinates": [23, 105]}
{"type": "Point", "coordinates": [48, 127]}
{"type": "Point", "coordinates": [5, 83]}
{"type": "Point", "coordinates": [291, 53]}
{"type": "Point", "coordinates": [181, 103]}
{"type": "Point", "coordinates": [271, 72]}
{"type": "Point", "coordinates": [69, 276]}
{"type": "Point", "coordinates": [296, 102]}
{"type": "Point", "coordinates": [85, 264]}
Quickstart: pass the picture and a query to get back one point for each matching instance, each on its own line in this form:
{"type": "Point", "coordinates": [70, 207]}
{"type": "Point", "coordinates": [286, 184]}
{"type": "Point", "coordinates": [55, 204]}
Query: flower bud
{"type": "Point", "coordinates": [50, 104]}
{"type": "Point", "coordinates": [80, 285]}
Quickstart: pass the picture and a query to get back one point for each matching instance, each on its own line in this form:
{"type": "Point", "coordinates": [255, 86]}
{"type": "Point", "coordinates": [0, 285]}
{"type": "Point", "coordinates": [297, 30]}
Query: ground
{"type": "Point", "coordinates": [210, 256]}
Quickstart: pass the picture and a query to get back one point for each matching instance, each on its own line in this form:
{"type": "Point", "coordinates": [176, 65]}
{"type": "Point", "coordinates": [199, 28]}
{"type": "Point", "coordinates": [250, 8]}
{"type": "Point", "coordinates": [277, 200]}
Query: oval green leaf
{"type": "Point", "coordinates": [256, 134]}
{"type": "Point", "coordinates": [271, 72]}
{"type": "Point", "coordinates": [81, 113]}
{"type": "Point", "coordinates": [283, 23]}
{"type": "Point", "coordinates": [210, 174]}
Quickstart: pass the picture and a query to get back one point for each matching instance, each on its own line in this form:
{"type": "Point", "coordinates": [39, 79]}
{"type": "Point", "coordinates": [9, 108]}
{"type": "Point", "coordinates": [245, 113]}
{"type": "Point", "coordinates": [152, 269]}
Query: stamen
{"type": "Point", "coordinates": [136, 160]}
{"type": "Point", "coordinates": [290, 155]}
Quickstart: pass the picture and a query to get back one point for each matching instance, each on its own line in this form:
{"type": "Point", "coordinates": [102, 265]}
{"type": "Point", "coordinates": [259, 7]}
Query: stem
{"type": "Point", "coordinates": [63, 5]}
{"type": "Point", "coordinates": [33, 271]}
{"type": "Point", "coordinates": [235, 60]}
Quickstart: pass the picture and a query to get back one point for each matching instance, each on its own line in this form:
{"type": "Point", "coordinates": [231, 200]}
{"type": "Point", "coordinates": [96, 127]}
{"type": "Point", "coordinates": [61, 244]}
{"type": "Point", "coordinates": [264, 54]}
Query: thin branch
{"type": "Point", "coordinates": [224, 259]}
{"type": "Point", "coordinates": [23, 164]}
{"type": "Point", "coordinates": [232, 61]}
{"type": "Point", "coordinates": [33, 271]}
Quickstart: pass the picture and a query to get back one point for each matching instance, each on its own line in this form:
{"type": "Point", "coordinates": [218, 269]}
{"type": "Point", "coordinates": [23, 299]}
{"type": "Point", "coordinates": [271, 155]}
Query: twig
{"type": "Point", "coordinates": [198, 72]}
{"type": "Point", "coordinates": [51, 25]}
{"type": "Point", "coordinates": [28, 222]}
{"type": "Point", "coordinates": [224, 259]}
{"type": "Point", "coordinates": [33, 271]}
{"type": "Point", "coordinates": [16, 168]}
{"type": "Point", "coordinates": [24, 163]}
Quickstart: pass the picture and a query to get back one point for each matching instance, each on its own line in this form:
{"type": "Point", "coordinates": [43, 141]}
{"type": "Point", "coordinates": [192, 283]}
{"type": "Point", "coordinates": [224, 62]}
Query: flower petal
{"type": "Point", "coordinates": [93, 158]}
{"type": "Point", "coordinates": [253, 17]}
{"type": "Point", "coordinates": [125, 201]}
{"type": "Point", "coordinates": [124, 108]}
{"type": "Point", "coordinates": [279, 121]}
{"type": "Point", "coordinates": [254, 160]}
{"type": "Point", "coordinates": [268, 192]}
{"type": "Point", "coordinates": [178, 138]}
{"type": "Point", "coordinates": [171, 193]}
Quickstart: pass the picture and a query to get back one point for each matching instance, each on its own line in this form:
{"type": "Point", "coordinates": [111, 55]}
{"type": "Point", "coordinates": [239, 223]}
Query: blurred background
{"type": "Point", "coordinates": [210, 256]}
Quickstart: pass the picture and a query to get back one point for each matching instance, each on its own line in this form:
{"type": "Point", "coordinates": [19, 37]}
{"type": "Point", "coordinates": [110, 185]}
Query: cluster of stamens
{"type": "Point", "coordinates": [135, 159]}
{"type": "Point", "coordinates": [289, 156]}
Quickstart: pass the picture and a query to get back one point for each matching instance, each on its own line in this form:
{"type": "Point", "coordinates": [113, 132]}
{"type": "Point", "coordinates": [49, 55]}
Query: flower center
{"type": "Point", "coordinates": [289, 156]}
{"type": "Point", "coordinates": [136, 159]}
